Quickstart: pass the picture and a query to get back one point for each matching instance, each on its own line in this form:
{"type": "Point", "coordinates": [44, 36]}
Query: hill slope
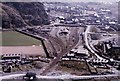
{"type": "Point", "coordinates": [20, 14]}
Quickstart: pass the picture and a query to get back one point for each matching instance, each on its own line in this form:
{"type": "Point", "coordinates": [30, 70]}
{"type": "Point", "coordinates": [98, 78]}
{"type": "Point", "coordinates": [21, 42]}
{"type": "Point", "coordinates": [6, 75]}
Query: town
{"type": "Point", "coordinates": [81, 39]}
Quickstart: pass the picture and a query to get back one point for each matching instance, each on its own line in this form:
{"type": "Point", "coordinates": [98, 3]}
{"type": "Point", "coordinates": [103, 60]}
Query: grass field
{"type": "Point", "coordinates": [12, 38]}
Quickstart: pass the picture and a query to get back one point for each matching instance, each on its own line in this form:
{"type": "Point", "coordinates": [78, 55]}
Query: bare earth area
{"type": "Point", "coordinates": [27, 50]}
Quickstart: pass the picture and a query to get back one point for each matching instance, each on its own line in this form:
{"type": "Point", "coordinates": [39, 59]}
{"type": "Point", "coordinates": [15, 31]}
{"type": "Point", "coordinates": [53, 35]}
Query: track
{"type": "Point", "coordinates": [63, 52]}
{"type": "Point", "coordinates": [59, 44]}
{"type": "Point", "coordinates": [86, 38]}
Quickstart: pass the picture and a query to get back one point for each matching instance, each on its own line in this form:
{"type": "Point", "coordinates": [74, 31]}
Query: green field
{"type": "Point", "coordinates": [12, 38]}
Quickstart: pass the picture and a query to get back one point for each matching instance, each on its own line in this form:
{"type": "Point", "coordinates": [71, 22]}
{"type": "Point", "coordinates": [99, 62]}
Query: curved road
{"type": "Point", "coordinates": [86, 38]}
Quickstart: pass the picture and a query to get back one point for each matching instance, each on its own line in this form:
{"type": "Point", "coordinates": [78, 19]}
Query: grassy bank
{"type": "Point", "coordinates": [12, 38]}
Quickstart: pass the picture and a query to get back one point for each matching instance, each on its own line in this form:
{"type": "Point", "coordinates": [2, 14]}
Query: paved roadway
{"type": "Point", "coordinates": [68, 77]}
{"type": "Point", "coordinates": [78, 77]}
{"type": "Point", "coordinates": [86, 38]}
{"type": "Point", "coordinates": [10, 76]}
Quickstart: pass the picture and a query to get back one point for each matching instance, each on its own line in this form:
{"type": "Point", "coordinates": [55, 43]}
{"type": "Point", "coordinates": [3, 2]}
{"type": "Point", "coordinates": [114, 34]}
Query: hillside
{"type": "Point", "coordinates": [20, 14]}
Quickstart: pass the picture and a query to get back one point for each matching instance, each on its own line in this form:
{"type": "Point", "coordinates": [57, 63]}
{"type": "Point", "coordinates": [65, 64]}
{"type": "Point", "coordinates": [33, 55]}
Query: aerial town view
{"type": "Point", "coordinates": [59, 40]}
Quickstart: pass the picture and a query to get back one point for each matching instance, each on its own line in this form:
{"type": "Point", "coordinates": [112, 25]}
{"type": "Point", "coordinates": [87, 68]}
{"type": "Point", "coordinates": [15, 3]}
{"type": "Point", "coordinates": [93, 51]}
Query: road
{"type": "Point", "coordinates": [56, 43]}
{"type": "Point", "coordinates": [64, 51]}
{"type": "Point", "coordinates": [68, 77]}
{"type": "Point", "coordinates": [10, 76]}
{"type": "Point", "coordinates": [78, 77]}
{"type": "Point", "coordinates": [86, 38]}
{"type": "Point", "coordinates": [115, 36]}
{"type": "Point", "coordinates": [105, 39]}
{"type": "Point", "coordinates": [91, 47]}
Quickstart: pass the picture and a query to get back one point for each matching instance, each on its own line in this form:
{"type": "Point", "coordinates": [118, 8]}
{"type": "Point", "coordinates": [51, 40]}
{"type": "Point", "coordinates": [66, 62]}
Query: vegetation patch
{"type": "Point", "coordinates": [12, 38]}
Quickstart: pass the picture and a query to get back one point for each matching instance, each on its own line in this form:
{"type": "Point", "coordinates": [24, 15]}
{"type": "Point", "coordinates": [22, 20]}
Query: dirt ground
{"type": "Point", "coordinates": [27, 50]}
